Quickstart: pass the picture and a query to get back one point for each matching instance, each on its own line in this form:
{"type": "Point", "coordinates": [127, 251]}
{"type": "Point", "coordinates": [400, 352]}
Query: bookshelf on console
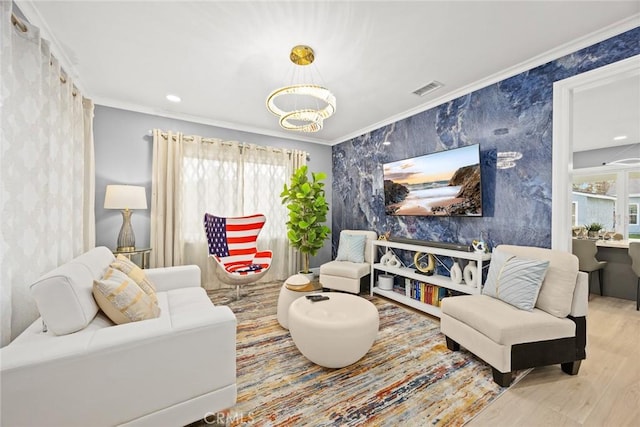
{"type": "Point", "coordinates": [481, 259]}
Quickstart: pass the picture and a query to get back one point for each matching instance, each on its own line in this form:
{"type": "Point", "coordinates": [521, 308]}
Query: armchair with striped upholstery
{"type": "Point", "coordinates": [232, 245]}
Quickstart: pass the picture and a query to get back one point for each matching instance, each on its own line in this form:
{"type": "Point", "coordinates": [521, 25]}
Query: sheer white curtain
{"type": "Point", "coordinates": [46, 169]}
{"type": "Point", "coordinates": [226, 178]}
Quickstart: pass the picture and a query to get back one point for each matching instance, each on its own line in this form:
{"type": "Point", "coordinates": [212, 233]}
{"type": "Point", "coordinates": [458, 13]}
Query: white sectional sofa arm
{"type": "Point", "coordinates": [167, 278]}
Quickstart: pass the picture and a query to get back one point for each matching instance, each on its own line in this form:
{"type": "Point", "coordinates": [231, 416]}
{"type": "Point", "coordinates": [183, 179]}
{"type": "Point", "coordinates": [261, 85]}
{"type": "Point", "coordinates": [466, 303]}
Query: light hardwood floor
{"type": "Point", "coordinates": [606, 391]}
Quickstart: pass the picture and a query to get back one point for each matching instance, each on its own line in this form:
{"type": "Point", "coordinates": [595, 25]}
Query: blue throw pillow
{"type": "Point", "coordinates": [516, 281]}
{"type": "Point", "coordinates": [351, 247]}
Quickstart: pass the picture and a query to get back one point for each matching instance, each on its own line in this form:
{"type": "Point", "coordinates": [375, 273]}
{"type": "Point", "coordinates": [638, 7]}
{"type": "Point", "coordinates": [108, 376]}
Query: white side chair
{"type": "Point", "coordinates": [347, 275]}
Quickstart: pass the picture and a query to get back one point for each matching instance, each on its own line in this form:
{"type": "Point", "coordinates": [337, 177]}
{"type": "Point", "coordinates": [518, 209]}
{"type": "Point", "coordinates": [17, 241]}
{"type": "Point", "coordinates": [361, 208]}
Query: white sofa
{"type": "Point", "coordinates": [349, 276]}
{"type": "Point", "coordinates": [86, 371]}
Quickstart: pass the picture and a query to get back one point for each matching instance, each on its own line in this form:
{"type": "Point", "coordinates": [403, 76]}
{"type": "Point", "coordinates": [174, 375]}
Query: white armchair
{"type": "Point", "coordinates": [351, 267]}
{"type": "Point", "coordinates": [509, 338]}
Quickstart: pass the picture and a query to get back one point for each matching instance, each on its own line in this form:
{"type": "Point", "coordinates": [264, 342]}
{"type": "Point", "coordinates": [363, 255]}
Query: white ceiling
{"type": "Point", "coordinates": [605, 112]}
{"type": "Point", "coordinates": [224, 58]}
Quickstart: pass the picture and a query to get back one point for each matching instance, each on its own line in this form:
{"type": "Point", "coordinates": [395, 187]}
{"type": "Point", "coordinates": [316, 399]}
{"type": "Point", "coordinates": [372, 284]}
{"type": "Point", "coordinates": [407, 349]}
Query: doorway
{"type": "Point", "coordinates": [563, 132]}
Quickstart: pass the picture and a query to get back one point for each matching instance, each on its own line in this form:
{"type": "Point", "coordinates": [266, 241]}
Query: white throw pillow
{"type": "Point", "coordinates": [351, 247]}
{"type": "Point", "coordinates": [556, 293]}
{"type": "Point", "coordinates": [515, 280]}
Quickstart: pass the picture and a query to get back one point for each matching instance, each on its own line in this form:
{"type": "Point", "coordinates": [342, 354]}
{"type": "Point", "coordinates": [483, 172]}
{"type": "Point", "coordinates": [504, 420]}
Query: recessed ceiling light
{"type": "Point", "coordinates": [173, 98]}
{"type": "Point", "coordinates": [620, 138]}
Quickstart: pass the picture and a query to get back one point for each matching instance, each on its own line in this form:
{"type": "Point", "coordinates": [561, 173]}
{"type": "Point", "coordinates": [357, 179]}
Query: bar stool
{"type": "Point", "coordinates": [586, 251]}
{"type": "Point", "coordinates": [634, 253]}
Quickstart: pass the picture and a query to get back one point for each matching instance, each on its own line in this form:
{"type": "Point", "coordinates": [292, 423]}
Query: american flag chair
{"type": "Point", "coordinates": [232, 245]}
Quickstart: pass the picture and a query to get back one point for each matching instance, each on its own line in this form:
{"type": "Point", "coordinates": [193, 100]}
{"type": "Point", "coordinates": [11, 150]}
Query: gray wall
{"type": "Point", "coordinates": [123, 152]}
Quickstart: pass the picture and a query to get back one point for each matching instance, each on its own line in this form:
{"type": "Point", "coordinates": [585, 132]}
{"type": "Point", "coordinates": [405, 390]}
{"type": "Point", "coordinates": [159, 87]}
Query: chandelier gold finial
{"type": "Point", "coordinates": [302, 55]}
{"type": "Point", "coordinates": [303, 119]}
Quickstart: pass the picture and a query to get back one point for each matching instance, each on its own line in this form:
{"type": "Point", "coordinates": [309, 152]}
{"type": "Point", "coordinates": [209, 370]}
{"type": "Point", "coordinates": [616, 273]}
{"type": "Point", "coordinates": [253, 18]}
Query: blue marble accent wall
{"type": "Point", "coordinates": [514, 115]}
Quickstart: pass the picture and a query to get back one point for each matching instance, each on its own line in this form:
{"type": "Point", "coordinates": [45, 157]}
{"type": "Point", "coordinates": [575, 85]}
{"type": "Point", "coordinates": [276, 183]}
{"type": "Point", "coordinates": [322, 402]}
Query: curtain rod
{"type": "Point", "coordinates": [229, 143]}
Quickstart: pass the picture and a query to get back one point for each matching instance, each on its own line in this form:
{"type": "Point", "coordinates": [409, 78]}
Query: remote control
{"type": "Point", "coordinates": [317, 297]}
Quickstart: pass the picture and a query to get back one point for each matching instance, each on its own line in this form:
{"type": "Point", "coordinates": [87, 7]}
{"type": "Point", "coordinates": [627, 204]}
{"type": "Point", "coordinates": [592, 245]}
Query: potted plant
{"type": "Point", "coordinates": [593, 229]}
{"type": "Point", "coordinates": [308, 209]}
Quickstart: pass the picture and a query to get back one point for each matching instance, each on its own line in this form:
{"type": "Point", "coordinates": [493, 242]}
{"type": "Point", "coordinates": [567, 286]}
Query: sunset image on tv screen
{"type": "Point", "coordinates": [446, 183]}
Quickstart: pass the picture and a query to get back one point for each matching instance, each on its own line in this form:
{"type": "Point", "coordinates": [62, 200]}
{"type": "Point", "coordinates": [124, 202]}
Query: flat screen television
{"type": "Point", "coordinates": [446, 183]}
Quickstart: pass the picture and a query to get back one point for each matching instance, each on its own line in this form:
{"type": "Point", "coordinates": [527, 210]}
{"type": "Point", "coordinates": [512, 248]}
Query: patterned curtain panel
{"type": "Point", "coordinates": [46, 169]}
{"type": "Point", "coordinates": [224, 178]}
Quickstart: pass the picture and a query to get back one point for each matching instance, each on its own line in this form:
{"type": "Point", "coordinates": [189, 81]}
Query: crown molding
{"type": "Point", "coordinates": [107, 102]}
{"type": "Point", "coordinates": [27, 7]}
{"type": "Point", "coordinates": [558, 52]}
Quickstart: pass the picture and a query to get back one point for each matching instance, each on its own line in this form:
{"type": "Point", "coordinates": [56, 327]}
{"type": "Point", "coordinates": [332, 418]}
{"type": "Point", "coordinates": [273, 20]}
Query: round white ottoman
{"type": "Point", "coordinates": [336, 332]}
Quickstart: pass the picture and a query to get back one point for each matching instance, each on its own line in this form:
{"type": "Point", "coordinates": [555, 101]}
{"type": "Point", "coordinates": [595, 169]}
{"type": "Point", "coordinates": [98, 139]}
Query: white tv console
{"type": "Point", "coordinates": [443, 281]}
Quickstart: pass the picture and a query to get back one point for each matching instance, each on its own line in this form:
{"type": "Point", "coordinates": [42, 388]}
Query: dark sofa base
{"type": "Point", "coordinates": [568, 352]}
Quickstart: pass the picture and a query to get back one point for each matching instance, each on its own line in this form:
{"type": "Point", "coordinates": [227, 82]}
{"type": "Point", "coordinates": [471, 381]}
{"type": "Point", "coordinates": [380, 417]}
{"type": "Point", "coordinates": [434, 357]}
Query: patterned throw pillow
{"type": "Point", "coordinates": [351, 247]}
{"type": "Point", "coordinates": [122, 300]}
{"type": "Point", "coordinates": [136, 274]}
{"type": "Point", "coordinates": [514, 280]}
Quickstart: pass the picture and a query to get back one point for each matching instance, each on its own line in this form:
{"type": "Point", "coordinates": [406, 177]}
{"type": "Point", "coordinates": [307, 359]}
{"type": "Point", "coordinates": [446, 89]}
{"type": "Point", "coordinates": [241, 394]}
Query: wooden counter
{"type": "Point", "coordinates": [623, 244]}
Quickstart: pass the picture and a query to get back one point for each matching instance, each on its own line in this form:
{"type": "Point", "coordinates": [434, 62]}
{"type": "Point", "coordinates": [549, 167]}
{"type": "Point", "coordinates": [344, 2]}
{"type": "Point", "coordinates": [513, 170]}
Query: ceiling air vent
{"type": "Point", "coordinates": [429, 87]}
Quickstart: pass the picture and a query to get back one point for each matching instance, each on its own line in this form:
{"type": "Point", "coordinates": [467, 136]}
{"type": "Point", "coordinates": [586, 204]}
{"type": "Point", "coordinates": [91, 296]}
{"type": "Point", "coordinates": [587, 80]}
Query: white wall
{"type": "Point", "coordinates": [123, 152]}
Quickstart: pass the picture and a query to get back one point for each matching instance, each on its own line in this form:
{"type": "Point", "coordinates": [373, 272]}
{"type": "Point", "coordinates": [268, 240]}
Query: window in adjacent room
{"type": "Point", "coordinates": [633, 214]}
{"type": "Point", "coordinates": [607, 196]}
{"type": "Point", "coordinates": [596, 197]}
{"type": "Point", "coordinates": [574, 213]}
{"type": "Point", "coordinates": [634, 203]}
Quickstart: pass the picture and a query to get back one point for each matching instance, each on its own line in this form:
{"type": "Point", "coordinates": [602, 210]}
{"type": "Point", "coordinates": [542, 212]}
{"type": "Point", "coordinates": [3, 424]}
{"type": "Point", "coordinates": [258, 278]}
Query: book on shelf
{"type": "Point", "coordinates": [425, 292]}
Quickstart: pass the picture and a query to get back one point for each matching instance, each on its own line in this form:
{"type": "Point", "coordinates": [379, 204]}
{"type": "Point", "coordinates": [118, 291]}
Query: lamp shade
{"type": "Point", "coordinates": [125, 197]}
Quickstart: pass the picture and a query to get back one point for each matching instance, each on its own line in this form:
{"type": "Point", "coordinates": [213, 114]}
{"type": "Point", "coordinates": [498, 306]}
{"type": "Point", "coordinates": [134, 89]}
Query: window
{"type": "Point", "coordinates": [609, 197]}
{"type": "Point", "coordinates": [214, 186]}
{"type": "Point", "coordinates": [596, 195]}
{"type": "Point", "coordinates": [634, 202]}
{"type": "Point", "coordinates": [633, 213]}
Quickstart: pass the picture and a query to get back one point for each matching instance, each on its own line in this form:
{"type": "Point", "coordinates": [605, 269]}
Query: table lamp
{"type": "Point", "coordinates": [126, 198]}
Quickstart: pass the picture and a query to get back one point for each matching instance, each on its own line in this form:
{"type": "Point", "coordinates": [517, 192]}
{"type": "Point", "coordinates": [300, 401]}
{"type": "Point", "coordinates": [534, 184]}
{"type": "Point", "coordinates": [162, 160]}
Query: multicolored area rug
{"type": "Point", "coordinates": [409, 377]}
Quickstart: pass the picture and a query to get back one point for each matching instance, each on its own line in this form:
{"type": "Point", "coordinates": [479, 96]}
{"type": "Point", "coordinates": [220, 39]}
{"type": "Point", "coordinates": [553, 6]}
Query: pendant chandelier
{"type": "Point", "coordinates": [307, 105]}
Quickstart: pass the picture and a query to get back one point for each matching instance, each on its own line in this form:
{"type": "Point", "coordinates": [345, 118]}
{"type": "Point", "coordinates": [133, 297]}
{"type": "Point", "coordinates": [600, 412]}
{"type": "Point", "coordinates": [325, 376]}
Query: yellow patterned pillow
{"type": "Point", "coordinates": [121, 298]}
{"type": "Point", "coordinates": [136, 274]}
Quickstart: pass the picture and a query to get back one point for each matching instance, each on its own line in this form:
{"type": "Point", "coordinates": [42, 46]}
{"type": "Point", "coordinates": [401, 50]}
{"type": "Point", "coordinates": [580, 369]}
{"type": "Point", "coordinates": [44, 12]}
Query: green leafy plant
{"type": "Point", "coordinates": [594, 226]}
{"type": "Point", "coordinates": [308, 209]}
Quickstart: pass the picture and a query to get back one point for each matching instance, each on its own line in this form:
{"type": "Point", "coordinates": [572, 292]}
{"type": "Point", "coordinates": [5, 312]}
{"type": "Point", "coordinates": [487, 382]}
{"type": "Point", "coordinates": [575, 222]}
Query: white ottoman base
{"type": "Point", "coordinates": [333, 333]}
